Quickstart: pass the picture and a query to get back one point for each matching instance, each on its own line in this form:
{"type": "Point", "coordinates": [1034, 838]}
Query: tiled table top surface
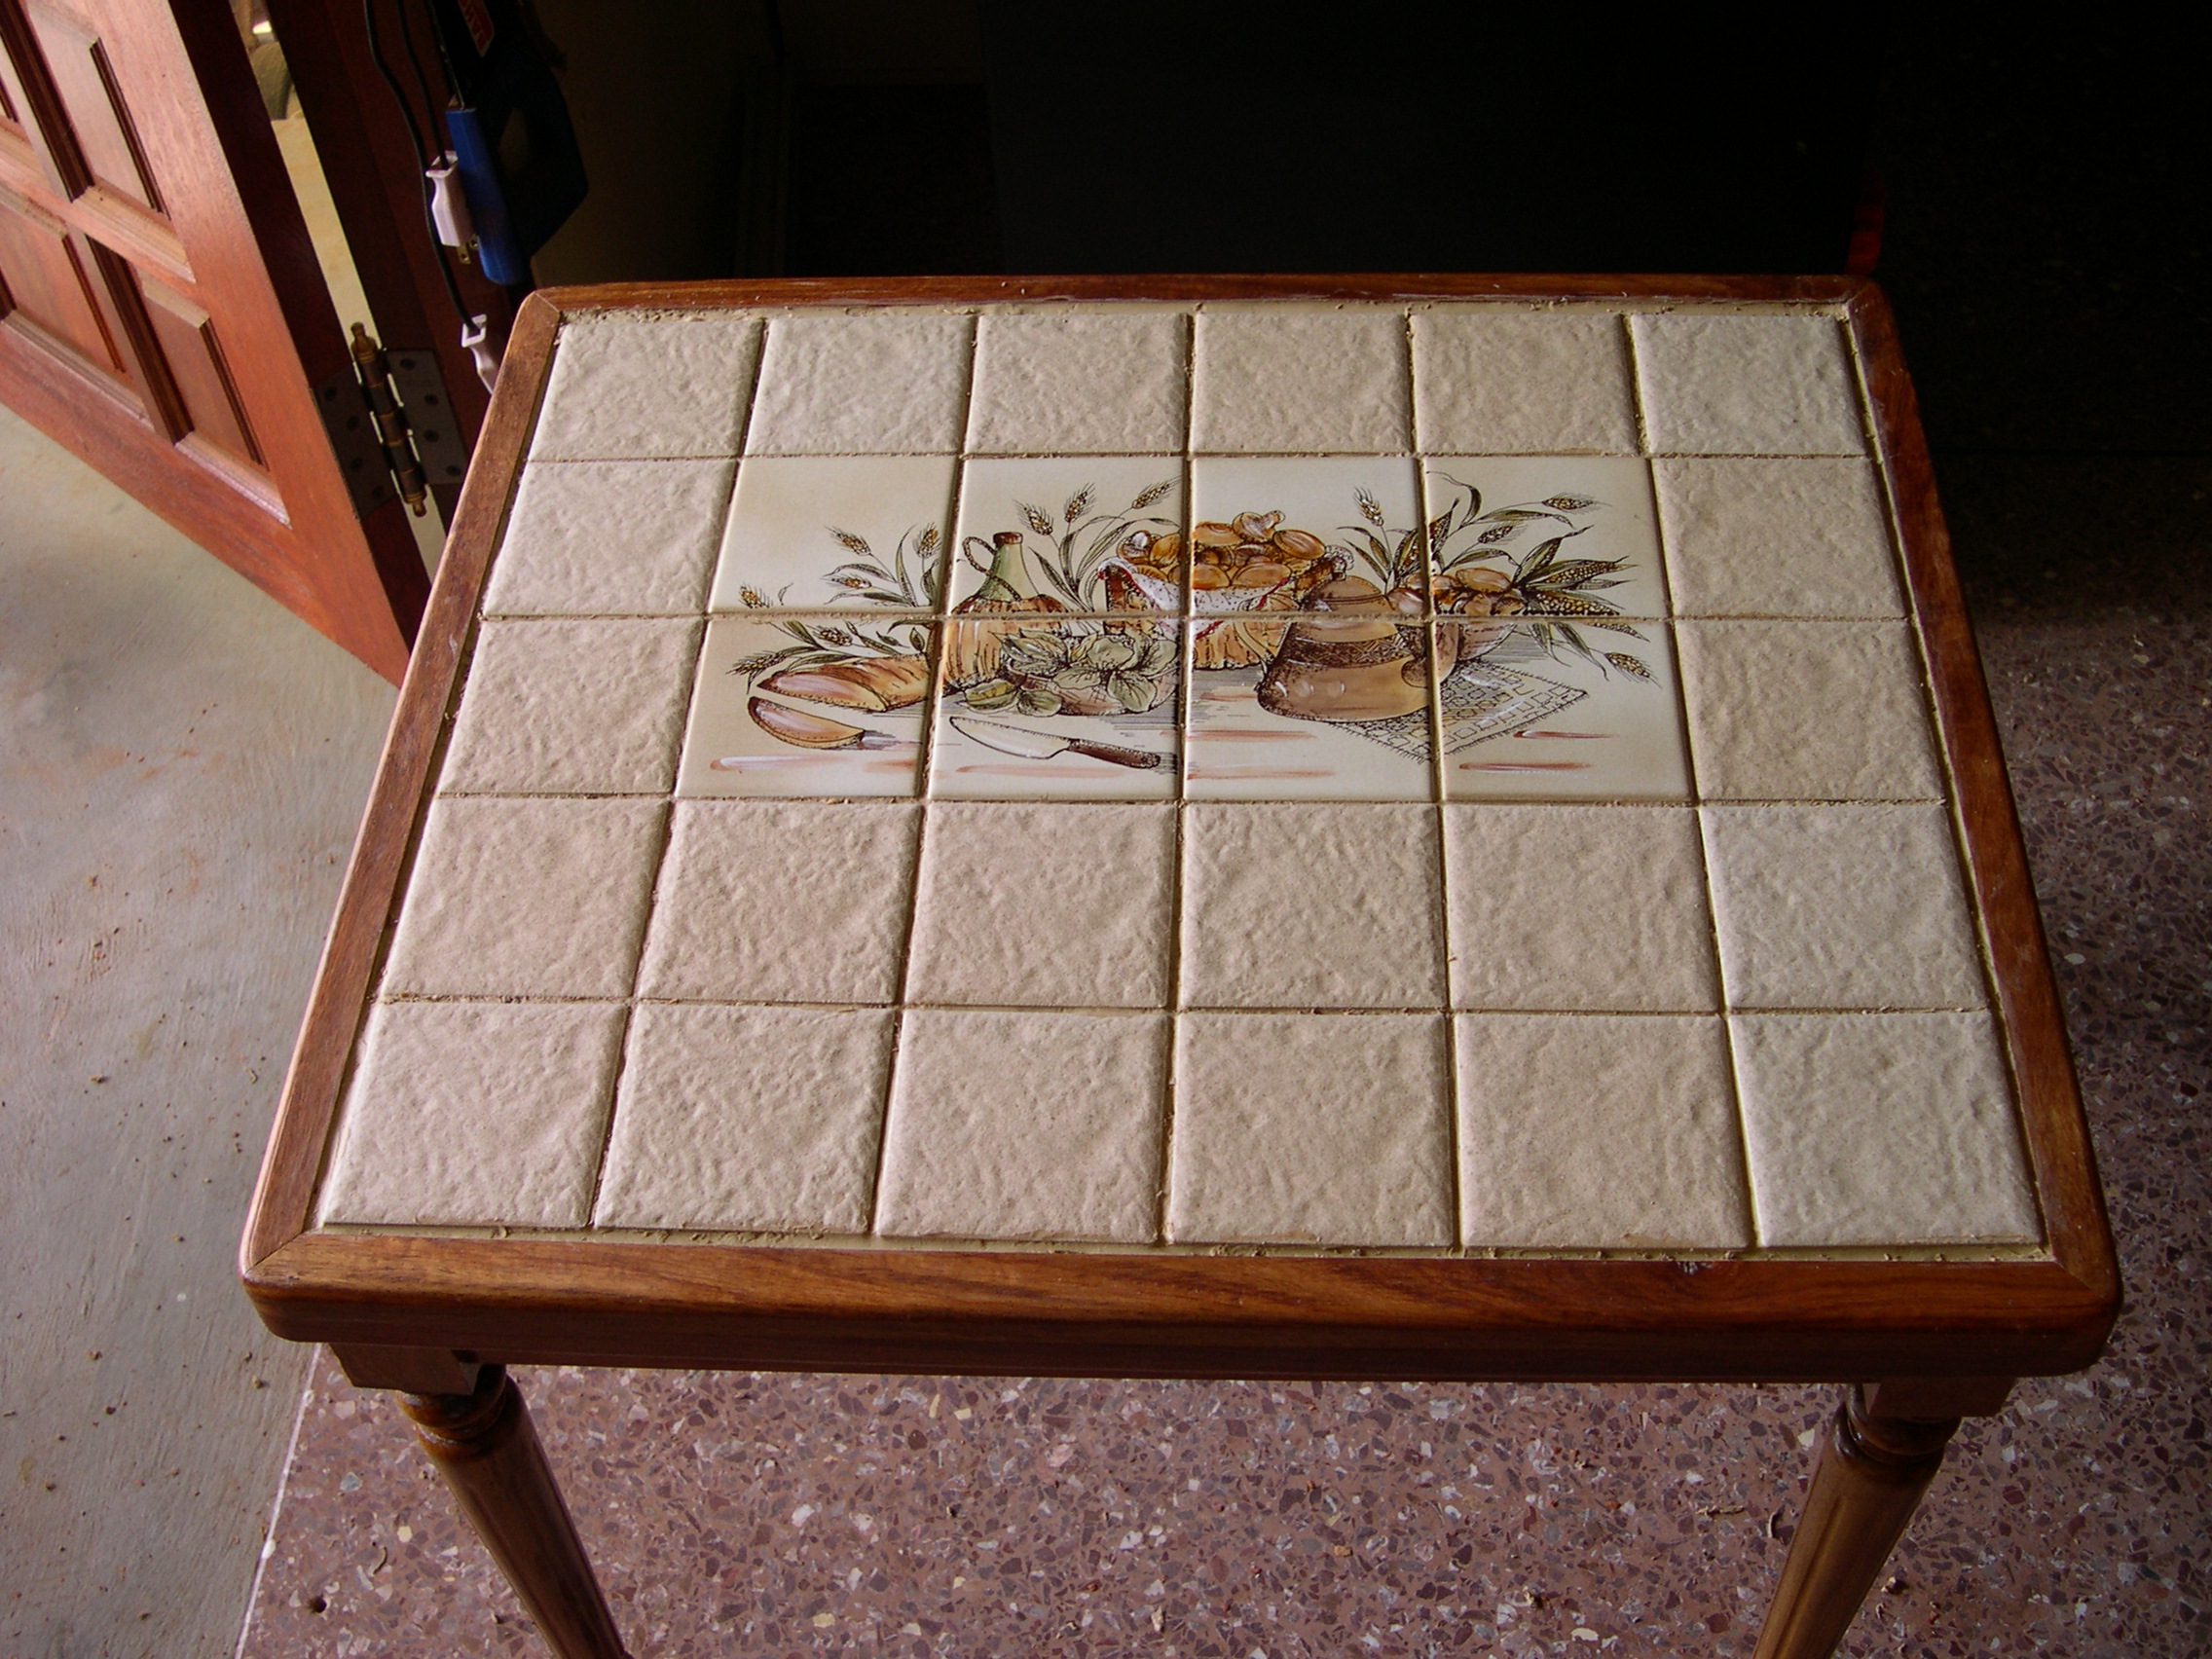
{"type": "Point", "coordinates": [1449, 777]}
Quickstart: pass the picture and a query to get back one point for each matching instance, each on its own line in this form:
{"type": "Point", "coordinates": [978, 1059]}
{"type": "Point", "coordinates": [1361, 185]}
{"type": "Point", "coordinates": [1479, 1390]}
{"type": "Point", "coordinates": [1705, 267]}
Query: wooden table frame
{"type": "Point", "coordinates": [1924, 1341]}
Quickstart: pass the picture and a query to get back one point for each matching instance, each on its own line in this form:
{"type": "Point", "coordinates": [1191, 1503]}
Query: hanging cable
{"type": "Point", "coordinates": [422, 155]}
{"type": "Point", "coordinates": [431, 103]}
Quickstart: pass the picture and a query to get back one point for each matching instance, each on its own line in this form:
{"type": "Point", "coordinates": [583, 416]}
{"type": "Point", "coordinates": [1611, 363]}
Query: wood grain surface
{"type": "Point", "coordinates": [606, 1302]}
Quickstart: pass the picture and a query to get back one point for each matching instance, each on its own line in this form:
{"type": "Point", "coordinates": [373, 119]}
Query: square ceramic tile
{"type": "Point", "coordinates": [1552, 536]}
{"type": "Point", "coordinates": [1334, 708]}
{"type": "Point", "coordinates": [1053, 904]}
{"type": "Point", "coordinates": [863, 383]}
{"type": "Point", "coordinates": [609, 538]}
{"type": "Point", "coordinates": [748, 1119]}
{"type": "Point", "coordinates": [474, 1114]}
{"type": "Point", "coordinates": [1841, 908]}
{"type": "Point", "coordinates": [978, 1144]}
{"type": "Point", "coordinates": [1492, 381]}
{"type": "Point", "coordinates": [1058, 533]}
{"type": "Point", "coordinates": [1885, 1128]}
{"type": "Point", "coordinates": [536, 898]}
{"type": "Point", "coordinates": [1309, 673]}
{"type": "Point", "coordinates": [829, 705]}
{"type": "Point", "coordinates": [1080, 709]}
{"type": "Point", "coordinates": [1572, 907]}
{"type": "Point", "coordinates": [812, 532]}
{"type": "Point", "coordinates": [1080, 382]}
{"type": "Point", "coordinates": [562, 707]}
{"type": "Point", "coordinates": [1312, 906]}
{"type": "Point", "coordinates": [1808, 711]}
{"type": "Point", "coordinates": [1311, 1129]}
{"type": "Point", "coordinates": [1285, 381]}
{"type": "Point", "coordinates": [1548, 709]}
{"type": "Point", "coordinates": [1776, 537]}
{"type": "Point", "coordinates": [1598, 1132]}
{"type": "Point", "coordinates": [1271, 532]}
{"type": "Point", "coordinates": [796, 902]}
{"type": "Point", "coordinates": [1715, 383]}
{"type": "Point", "coordinates": [646, 385]}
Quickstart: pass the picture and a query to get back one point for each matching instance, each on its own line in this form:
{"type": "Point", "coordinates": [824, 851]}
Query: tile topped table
{"type": "Point", "coordinates": [1373, 828]}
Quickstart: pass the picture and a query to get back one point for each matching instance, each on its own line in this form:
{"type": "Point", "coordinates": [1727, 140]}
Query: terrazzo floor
{"type": "Point", "coordinates": [772, 1514]}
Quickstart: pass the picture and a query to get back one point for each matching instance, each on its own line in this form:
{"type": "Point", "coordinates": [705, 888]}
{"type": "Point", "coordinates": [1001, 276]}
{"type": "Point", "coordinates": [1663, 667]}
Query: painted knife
{"type": "Point", "coordinates": [1040, 745]}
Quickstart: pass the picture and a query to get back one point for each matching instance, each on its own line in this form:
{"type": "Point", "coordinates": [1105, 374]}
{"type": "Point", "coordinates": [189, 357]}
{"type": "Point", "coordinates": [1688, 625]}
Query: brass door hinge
{"type": "Point", "coordinates": [392, 426]}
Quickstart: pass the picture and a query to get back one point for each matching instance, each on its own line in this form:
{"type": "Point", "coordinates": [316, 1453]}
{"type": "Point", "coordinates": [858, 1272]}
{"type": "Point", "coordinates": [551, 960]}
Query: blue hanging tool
{"type": "Point", "coordinates": [512, 144]}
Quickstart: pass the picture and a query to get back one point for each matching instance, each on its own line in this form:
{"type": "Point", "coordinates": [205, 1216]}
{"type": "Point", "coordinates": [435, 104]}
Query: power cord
{"type": "Point", "coordinates": [468, 320]}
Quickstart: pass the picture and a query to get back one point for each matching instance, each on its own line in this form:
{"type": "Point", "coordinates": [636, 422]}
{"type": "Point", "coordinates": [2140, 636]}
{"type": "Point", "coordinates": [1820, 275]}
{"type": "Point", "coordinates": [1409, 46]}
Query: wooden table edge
{"type": "Point", "coordinates": [2026, 1317]}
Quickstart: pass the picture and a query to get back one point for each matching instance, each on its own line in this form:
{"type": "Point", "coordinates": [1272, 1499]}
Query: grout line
{"type": "Point", "coordinates": [1185, 693]}
{"type": "Point", "coordinates": [1728, 1014]}
{"type": "Point", "coordinates": [1636, 384]}
{"type": "Point", "coordinates": [1692, 766]}
{"type": "Point", "coordinates": [899, 1008]}
{"type": "Point", "coordinates": [668, 796]}
{"type": "Point", "coordinates": [1439, 771]}
{"type": "Point", "coordinates": [925, 800]}
{"type": "Point", "coordinates": [1303, 1009]}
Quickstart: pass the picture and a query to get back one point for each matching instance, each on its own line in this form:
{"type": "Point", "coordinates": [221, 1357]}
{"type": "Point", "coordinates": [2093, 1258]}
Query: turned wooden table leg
{"type": "Point", "coordinates": [1882, 1451]}
{"type": "Point", "coordinates": [483, 1446]}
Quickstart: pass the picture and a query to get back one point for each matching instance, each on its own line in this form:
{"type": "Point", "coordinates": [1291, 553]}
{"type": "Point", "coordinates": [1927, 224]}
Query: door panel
{"type": "Point", "coordinates": [151, 248]}
{"type": "Point", "coordinates": [49, 288]}
{"type": "Point", "coordinates": [93, 107]}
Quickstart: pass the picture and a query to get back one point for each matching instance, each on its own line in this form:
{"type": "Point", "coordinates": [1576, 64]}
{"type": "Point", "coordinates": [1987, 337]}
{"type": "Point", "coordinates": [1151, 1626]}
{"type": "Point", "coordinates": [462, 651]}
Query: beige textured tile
{"type": "Point", "coordinates": [1312, 906]}
{"type": "Point", "coordinates": [1111, 535]}
{"type": "Point", "coordinates": [863, 383]}
{"type": "Point", "coordinates": [1791, 536]}
{"type": "Point", "coordinates": [647, 385]}
{"type": "Point", "coordinates": [1716, 383]}
{"type": "Point", "coordinates": [1578, 907]}
{"type": "Point", "coordinates": [782, 901]}
{"type": "Point", "coordinates": [1808, 711]}
{"type": "Point", "coordinates": [559, 707]}
{"type": "Point", "coordinates": [475, 1115]}
{"type": "Point", "coordinates": [830, 705]}
{"type": "Point", "coordinates": [1489, 380]}
{"type": "Point", "coordinates": [1841, 908]}
{"type": "Point", "coordinates": [1044, 905]}
{"type": "Point", "coordinates": [1300, 382]}
{"type": "Point", "coordinates": [794, 520]}
{"type": "Point", "coordinates": [1492, 516]}
{"type": "Point", "coordinates": [610, 538]}
{"type": "Point", "coordinates": [1524, 719]}
{"type": "Point", "coordinates": [1025, 1125]}
{"type": "Point", "coordinates": [1598, 1132]}
{"type": "Point", "coordinates": [748, 1119]}
{"type": "Point", "coordinates": [1109, 691]}
{"type": "Point", "coordinates": [538, 898]}
{"type": "Point", "coordinates": [1888, 1129]}
{"type": "Point", "coordinates": [1306, 1129]}
{"type": "Point", "coordinates": [1076, 383]}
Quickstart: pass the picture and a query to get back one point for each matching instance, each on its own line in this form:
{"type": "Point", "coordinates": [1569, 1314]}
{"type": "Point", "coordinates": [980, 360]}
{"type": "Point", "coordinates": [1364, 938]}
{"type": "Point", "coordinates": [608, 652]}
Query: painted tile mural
{"type": "Point", "coordinates": [812, 532]}
{"type": "Point", "coordinates": [1094, 536]}
{"type": "Point", "coordinates": [826, 705]}
{"type": "Point", "coordinates": [1397, 737]}
{"type": "Point", "coordinates": [1080, 707]}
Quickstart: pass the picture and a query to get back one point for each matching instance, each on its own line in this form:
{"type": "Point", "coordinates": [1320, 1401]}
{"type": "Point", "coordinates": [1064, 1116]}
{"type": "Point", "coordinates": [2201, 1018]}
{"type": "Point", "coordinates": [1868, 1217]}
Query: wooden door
{"type": "Point", "coordinates": [162, 312]}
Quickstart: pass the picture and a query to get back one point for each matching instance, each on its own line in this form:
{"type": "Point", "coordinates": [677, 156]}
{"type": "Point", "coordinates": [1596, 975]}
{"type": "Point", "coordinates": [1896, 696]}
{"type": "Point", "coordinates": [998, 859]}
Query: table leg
{"type": "Point", "coordinates": [1874, 1468]}
{"type": "Point", "coordinates": [483, 1446]}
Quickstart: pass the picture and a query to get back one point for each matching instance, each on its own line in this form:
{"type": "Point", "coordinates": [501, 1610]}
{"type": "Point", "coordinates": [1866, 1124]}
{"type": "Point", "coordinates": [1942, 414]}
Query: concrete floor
{"type": "Point", "coordinates": [182, 765]}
